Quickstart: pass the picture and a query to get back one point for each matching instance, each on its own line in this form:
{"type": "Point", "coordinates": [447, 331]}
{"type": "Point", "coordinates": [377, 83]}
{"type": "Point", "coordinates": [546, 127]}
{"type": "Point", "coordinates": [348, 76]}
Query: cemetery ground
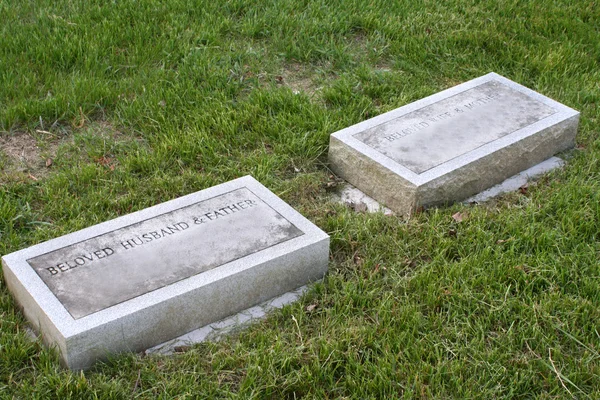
{"type": "Point", "coordinates": [108, 109]}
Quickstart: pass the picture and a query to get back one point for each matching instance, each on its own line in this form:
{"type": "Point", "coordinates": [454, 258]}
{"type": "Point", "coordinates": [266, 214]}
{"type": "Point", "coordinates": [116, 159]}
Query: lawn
{"type": "Point", "coordinates": [108, 107]}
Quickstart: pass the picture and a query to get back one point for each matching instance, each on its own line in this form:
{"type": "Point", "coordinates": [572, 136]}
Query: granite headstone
{"type": "Point", "coordinates": [453, 144]}
{"type": "Point", "coordinates": [142, 279]}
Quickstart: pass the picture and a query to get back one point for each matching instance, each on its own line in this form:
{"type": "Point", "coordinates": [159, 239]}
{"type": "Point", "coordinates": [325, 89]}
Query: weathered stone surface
{"type": "Point", "coordinates": [220, 329]}
{"type": "Point", "coordinates": [453, 144]}
{"type": "Point", "coordinates": [360, 202]}
{"type": "Point", "coordinates": [150, 276]}
{"type": "Point", "coordinates": [518, 181]}
{"type": "Point", "coordinates": [106, 270]}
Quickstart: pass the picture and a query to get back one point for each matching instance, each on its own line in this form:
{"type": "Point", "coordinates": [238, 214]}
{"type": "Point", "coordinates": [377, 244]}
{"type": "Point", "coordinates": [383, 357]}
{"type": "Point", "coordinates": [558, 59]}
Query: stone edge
{"type": "Point", "coordinates": [373, 179]}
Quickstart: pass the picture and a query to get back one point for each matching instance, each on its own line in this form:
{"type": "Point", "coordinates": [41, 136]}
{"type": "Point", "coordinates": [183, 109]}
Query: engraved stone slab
{"type": "Point", "coordinates": [453, 144]}
{"type": "Point", "coordinates": [100, 272]}
{"type": "Point", "coordinates": [164, 271]}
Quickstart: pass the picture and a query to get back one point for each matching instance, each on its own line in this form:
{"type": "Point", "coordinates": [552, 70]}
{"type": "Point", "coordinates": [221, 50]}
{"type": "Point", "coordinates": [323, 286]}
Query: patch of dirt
{"type": "Point", "coordinates": [26, 156]}
{"type": "Point", "coordinates": [21, 148]}
{"type": "Point", "coordinates": [23, 156]}
{"type": "Point", "coordinates": [298, 78]}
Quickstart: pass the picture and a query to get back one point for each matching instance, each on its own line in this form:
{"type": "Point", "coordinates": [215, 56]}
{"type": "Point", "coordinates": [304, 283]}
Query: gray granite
{"type": "Point", "coordinates": [453, 144]}
{"type": "Point", "coordinates": [435, 134]}
{"type": "Point", "coordinates": [109, 288]}
{"type": "Point", "coordinates": [219, 330]}
{"type": "Point", "coordinates": [100, 272]}
{"type": "Point", "coordinates": [518, 181]}
{"type": "Point", "coordinates": [351, 196]}
{"type": "Point", "coordinates": [358, 201]}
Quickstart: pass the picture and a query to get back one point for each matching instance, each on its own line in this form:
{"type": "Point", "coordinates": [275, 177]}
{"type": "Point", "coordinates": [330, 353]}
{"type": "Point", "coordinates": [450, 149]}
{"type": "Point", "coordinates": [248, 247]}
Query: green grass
{"type": "Point", "coordinates": [139, 102]}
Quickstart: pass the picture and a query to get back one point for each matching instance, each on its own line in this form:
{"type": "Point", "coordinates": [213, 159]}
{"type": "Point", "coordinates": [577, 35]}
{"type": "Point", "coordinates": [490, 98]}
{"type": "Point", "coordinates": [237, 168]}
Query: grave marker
{"type": "Point", "coordinates": [147, 277]}
{"type": "Point", "coordinates": [453, 144]}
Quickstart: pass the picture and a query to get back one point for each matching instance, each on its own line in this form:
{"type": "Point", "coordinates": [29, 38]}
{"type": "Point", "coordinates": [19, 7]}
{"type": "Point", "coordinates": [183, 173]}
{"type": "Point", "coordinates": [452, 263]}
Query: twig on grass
{"type": "Point", "coordinates": [298, 326]}
{"type": "Point", "coordinates": [533, 352]}
{"type": "Point", "coordinates": [328, 357]}
{"type": "Point", "coordinates": [137, 381]}
{"type": "Point", "coordinates": [558, 373]}
{"type": "Point", "coordinates": [45, 132]}
{"type": "Point", "coordinates": [81, 122]}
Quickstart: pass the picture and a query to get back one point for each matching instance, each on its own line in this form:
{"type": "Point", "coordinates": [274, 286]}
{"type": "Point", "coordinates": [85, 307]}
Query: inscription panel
{"type": "Point", "coordinates": [106, 270]}
{"type": "Point", "coordinates": [435, 134]}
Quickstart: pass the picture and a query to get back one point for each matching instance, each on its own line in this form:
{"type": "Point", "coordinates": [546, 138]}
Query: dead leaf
{"type": "Point", "coordinates": [358, 207]}
{"type": "Point", "coordinates": [48, 163]}
{"type": "Point", "coordinates": [357, 259]}
{"type": "Point", "coordinates": [279, 79]}
{"type": "Point", "coordinates": [181, 349]}
{"type": "Point", "coordinates": [81, 119]}
{"type": "Point", "coordinates": [523, 189]}
{"type": "Point", "coordinates": [500, 241]}
{"type": "Point", "coordinates": [33, 177]}
{"type": "Point", "coordinates": [458, 217]}
{"type": "Point", "coordinates": [409, 262]}
{"type": "Point", "coordinates": [104, 160]}
{"type": "Point", "coordinates": [419, 210]}
{"type": "Point", "coordinates": [311, 307]}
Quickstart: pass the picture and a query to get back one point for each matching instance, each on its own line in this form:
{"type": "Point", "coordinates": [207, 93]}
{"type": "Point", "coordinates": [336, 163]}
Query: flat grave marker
{"type": "Point", "coordinates": [144, 278]}
{"type": "Point", "coordinates": [453, 144]}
